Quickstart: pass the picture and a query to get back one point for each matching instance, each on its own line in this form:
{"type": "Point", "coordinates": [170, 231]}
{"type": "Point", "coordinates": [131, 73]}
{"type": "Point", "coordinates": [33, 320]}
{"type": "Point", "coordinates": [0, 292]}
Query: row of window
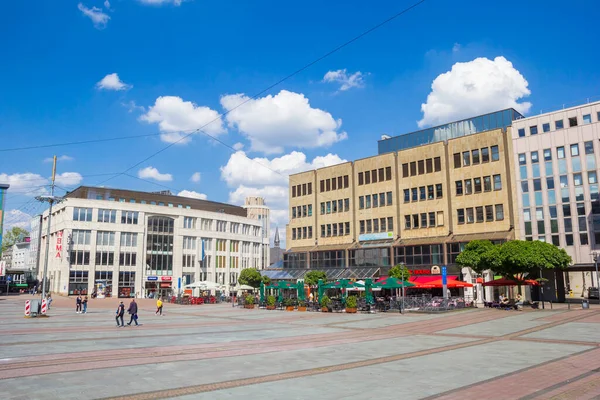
{"type": "Point", "coordinates": [375, 175]}
{"type": "Point", "coordinates": [423, 193]}
{"type": "Point", "coordinates": [421, 167]}
{"type": "Point", "coordinates": [153, 203]}
{"type": "Point", "coordinates": [480, 214]}
{"type": "Point", "coordinates": [302, 211]}
{"type": "Point", "coordinates": [559, 124]}
{"type": "Point", "coordinates": [82, 257]}
{"type": "Point", "coordinates": [376, 225]}
{"type": "Point", "coordinates": [335, 206]}
{"type": "Point", "coordinates": [339, 229]}
{"type": "Point", "coordinates": [424, 220]}
{"type": "Point", "coordinates": [476, 156]}
{"type": "Point", "coordinates": [103, 238]}
{"type": "Point", "coordinates": [305, 232]}
{"type": "Point", "coordinates": [477, 185]}
{"type": "Point", "coordinates": [375, 200]}
{"type": "Point", "coordinates": [304, 189]}
{"type": "Point", "coordinates": [340, 182]}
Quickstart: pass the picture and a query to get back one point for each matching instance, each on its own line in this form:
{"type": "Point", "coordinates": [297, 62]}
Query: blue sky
{"type": "Point", "coordinates": [201, 56]}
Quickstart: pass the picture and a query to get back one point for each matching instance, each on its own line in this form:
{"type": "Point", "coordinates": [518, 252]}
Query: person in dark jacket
{"type": "Point", "coordinates": [78, 302]}
{"type": "Point", "coordinates": [132, 310]}
{"type": "Point", "coordinates": [120, 313]}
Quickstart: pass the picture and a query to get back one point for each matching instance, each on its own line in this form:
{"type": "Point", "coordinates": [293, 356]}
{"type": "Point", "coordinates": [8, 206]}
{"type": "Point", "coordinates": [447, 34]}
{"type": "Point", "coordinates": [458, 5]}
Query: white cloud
{"type": "Point", "coordinates": [241, 170]}
{"type": "Point", "coordinates": [192, 194]}
{"type": "Point", "coordinates": [107, 4]}
{"type": "Point", "coordinates": [174, 116]}
{"type": "Point", "coordinates": [473, 88]}
{"type": "Point", "coordinates": [196, 177]}
{"type": "Point", "coordinates": [355, 80]}
{"type": "Point", "coordinates": [25, 183]}
{"type": "Point", "coordinates": [286, 118]}
{"type": "Point", "coordinates": [152, 173]}
{"type": "Point", "coordinates": [99, 18]}
{"type": "Point", "coordinates": [59, 158]}
{"type": "Point", "coordinates": [161, 2]}
{"type": "Point", "coordinates": [456, 48]}
{"type": "Point", "coordinates": [18, 218]}
{"type": "Point", "coordinates": [112, 82]}
{"type": "Point", "coordinates": [131, 107]}
{"type": "Point", "coordinates": [68, 179]}
{"type": "Point", "coordinates": [238, 146]}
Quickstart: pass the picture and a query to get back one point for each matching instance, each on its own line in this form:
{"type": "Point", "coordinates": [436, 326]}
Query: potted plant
{"type": "Point", "coordinates": [301, 305]}
{"type": "Point", "coordinates": [351, 304]}
{"type": "Point", "coordinates": [289, 304]}
{"type": "Point", "coordinates": [249, 302]}
{"type": "Point", "coordinates": [325, 303]}
{"type": "Point", "coordinates": [271, 303]}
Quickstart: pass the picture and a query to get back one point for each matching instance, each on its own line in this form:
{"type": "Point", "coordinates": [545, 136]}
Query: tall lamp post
{"type": "Point", "coordinates": [596, 256]}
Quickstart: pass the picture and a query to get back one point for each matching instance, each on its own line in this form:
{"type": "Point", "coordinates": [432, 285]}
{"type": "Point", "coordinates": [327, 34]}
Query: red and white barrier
{"type": "Point", "coordinates": [27, 308]}
{"type": "Point", "coordinates": [44, 306]}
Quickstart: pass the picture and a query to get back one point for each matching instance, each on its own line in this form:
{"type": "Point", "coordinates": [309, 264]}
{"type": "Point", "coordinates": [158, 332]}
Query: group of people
{"type": "Point", "coordinates": [81, 304]}
{"type": "Point", "coordinates": [133, 312]}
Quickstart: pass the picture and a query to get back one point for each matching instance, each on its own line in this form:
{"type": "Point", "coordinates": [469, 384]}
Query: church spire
{"type": "Point", "coordinates": [276, 240]}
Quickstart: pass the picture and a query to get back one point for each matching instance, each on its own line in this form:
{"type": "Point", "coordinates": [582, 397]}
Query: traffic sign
{"type": "Point", "coordinates": [8, 279]}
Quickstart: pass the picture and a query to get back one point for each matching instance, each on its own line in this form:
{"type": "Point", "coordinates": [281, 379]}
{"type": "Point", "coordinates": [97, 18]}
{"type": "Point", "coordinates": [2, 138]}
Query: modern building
{"type": "Point", "coordinates": [257, 209]}
{"type": "Point", "coordinates": [35, 234]}
{"type": "Point", "coordinates": [556, 169]}
{"type": "Point", "coordinates": [126, 243]}
{"type": "Point", "coordinates": [3, 189]}
{"type": "Point", "coordinates": [418, 205]}
{"type": "Point", "coordinates": [276, 252]}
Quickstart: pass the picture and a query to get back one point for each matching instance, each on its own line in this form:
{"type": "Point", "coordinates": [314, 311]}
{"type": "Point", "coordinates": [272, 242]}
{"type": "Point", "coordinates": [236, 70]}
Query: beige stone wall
{"type": "Point", "coordinates": [329, 196]}
{"type": "Point", "coordinates": [302, 200]}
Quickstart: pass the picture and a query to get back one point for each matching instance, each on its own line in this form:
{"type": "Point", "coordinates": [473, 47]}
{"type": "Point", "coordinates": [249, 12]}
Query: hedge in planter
{"type": "Point", "coordinates": [271, 303]}
{"type": "Point", "coordinates": [351, 304]}
{"type": "Point", "coordinates": [301, 305]}
{"type": "Point", "coordinates": [249, 302]}
{"type": "Point", "coordinates": [325, 303]}
{"type": "Point", "coordinates": [289, 304]}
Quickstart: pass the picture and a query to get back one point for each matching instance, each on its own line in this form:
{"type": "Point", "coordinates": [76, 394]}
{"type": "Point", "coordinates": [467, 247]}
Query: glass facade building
{"type": "Point", "coordinates": [470, 126]}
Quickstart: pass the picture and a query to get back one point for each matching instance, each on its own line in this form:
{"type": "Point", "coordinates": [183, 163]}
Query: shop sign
{"type": "Point", "coordinates": [165, 285]}
{"type": "Point", "coordinates": [166, 278]}
{"type": "Point", "coordinates": [152, 278]}
{"type": "Point", "coordinates": [375, 236]}
{"type": "Point", "coordinates": [59, 238]}
{"type": "Point", "coordinates": [435, 270]}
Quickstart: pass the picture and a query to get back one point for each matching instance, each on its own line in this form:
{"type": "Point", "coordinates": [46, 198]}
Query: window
{"type": "Point", "coordinates": [574, 150]}
{"type": "Point", "coordinates": [129, 217]}
{"type": "Point", "coordinates": [572, 122]}
{"type": "Point", "coordinates": [322, 210]}
{"type": "Point", "coordinates": [334, 207]}
{"type": "Point", "coordinates": [79, 257]}
{"type": "Point", "coordinates": [537, 185]}
{"type": "Point", "coordinates": [547, 155]}
{"type": "Point", "coordinates": [374, 176]}
{"type": "Point", "coordinates": [466, 157]}
{"type": "Point", "coordinates": [459, 188]}
{"type": "Point", "coordinates": [189, 222]}
{"type": "Point", "coordinates": [569, 238]}
{"type": "Point", "coordinates": [189, 243]}
{"type": "Point", "coordinates": [406, 195]}
{"type": "Point", "coordinates": [422, 193]}
{"type": "Point", "coordinates": [109, 216]}
{"type": "Point", "coordinates": [592, 178]}
{"type": "Point", "coordinates": [522, 159]}
{"type": "Point", "coordinates": [558, 124]}
{"type": "Point", "coordinates": [105, 238]}
{"type": "Point", "coordinates": [489, 213]}
{"type": "Point", "coordinates": [534, 157]}
{"type": "Point", "coordinates": [368, 201]}
{"type": "Point", "coordinates": [533, 130]}
{"type": "Point", "coordinates": [82, 214]}
{"type": "Point", "coordinates": [525, 186]}
{"type": "Point", "coordinates": [415, 194]}
{"type": "Point", "coordinates": [430, 192]}
{"type": "Point", "coordinates": [437, 164]}
{"type": "Point", "coordinates": [369, 226]}
{"type": "Point", "coordinates": [390, 223]}
{"type": "Point", "coordinates": [487, 183]}
{"type": "Point", "coordinates": [361, 202]}
{"type": "Point", "coordinates": [310, 185]}
{"type": "Point", "coordinates": [346, 205]}
{"type": "Point", "coordinates": [388, 174]}
{"type": "Point", "coordinates": [546, 127]}
{"type": "Point", "coordinates": [413, 168]}
{"type": "Point", "coordinates": [376, 201]}
{"type": "Point", "coordinates": [521, 132]}
{"type": "Point", "coordinates": [438, 191]}
{"type": "Point", "coordinates": [477, 184]}
{"type": "Point", "coordinates": [429, 165]}
{"type": "Point", "coordinates": [415, 220]}
{"type": "Point", "coordinates": [105, 258]}
{"type": "Point", "coordinates": [431, 219]}
{"type": "Point", "coordinates": [389, 198]}
{"type": "Point", "coordinates": [407, 222]}
{"type": "Point", "coordinates": [470, 216]}
{"type": "Point", "coordinates": [405, 170]}
{"type": "Point", "coordinates": [424, 220]}
{"type": "Point", "coordinates": [457, 160]}
{"type": "Point", "coordinates": [583, 238]}
{"type": "Point", "coordinates": [310, 210]}
{"type": "Point", "coordinates": [499, 212]}
{"type": "Point", "coordinates": [346, 229]}
{"type": "Point", "coordinates": [468, 186]}
{"type": "Point", "coordinates": [475, 155]}
{"type": "Point", "coordinates": [188, 261]}
{"type": "Point", "coordinates": [360, 179]}
{"type": "Point", "coordinates": [495, 153]}
{"type": "Point", "coordinates": [334, 184]}
{"type": "Point", "coordinates": [550, 183]}
{"type": "Point", "coordinates": [497, 182]}
{"type": "Point", "coordinates": [127, 259]}
{"type": "Point", "coordinates": [328, 184]}
{"type": "Point", "coordinates": [128, 239]}
{"type": "Point", "coordinates": [421, 167]}
{"type": "Point", "coordinates": [81, 237]}
{"type": "Point", "coordinates": [485, 155]}
{"type": "Point", "coordinates": [460, 213]}
{"type": "Point", "coordinates": [479, 214]}
{"type": "Point", "coordinates": [560, 152]}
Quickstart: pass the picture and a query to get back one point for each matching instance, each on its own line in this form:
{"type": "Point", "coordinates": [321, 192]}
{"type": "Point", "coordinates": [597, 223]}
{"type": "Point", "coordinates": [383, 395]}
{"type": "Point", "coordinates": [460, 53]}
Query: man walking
{"type": "Point", "coordinates": [159, 306]}
{"type": "Point", "coordinates": [132, 310]}
{"type": "Point", "coordinates": [78, 304]}
{"type": "Point", "coordinates": [120, 313]}
{"type": "Point", "coordinates": [85, 303]}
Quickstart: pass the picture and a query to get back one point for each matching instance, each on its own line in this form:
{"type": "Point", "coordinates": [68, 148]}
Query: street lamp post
{"type": "Point", "coordinates": [596, 256]}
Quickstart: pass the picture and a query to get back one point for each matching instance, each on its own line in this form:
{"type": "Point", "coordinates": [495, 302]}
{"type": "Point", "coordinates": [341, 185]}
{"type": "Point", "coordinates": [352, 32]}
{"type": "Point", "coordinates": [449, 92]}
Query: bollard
{"type": "Point", "coordinates": [44, 306]}
{"type": "Point", "coordinates": [585, 304]}
{"type": "Point", "coordinates": [27, 308]}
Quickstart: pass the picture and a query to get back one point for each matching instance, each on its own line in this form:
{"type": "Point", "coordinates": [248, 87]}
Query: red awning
{"type": "Point", "coordinates": [436, 283]}
{"type": "Point", "coordinates": [511, 282]}
{"type": "Point", "coordinates": [427, 279]}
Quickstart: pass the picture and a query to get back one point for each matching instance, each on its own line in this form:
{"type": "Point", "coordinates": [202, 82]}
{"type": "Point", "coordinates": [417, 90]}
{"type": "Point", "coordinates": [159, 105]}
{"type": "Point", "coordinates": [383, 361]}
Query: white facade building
{"type": "Point", "coordinates": [557, 167]}
{"type": "Point", "coordinates": [138, 243]}
{"type": "Point", "coordinates": [33, 262]}
{"type": "Point", "coordinates": [257, 209]}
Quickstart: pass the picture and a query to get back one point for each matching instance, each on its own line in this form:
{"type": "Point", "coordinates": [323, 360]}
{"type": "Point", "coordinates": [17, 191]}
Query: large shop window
{"type": "Point", "coordinates": [294, 260]}
{"type": "Point", "coordinates": [419, 255]}
{"type": "Point", "coordinates": [78, 283]}
{"type": "Point", "coordinates": [370, 257]}
{"type": "Point", "coordinates": [159, 249]}
{"type": "Point", "coordinates": [327, 259]}
{"type": "Point", "coordinates": [126, 284]}
{"type": "Point", "coordinates": [103, 282]}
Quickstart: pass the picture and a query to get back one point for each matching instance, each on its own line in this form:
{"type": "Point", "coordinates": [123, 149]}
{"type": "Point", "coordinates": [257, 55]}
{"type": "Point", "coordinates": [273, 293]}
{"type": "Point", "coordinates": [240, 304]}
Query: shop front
{"type": "Point", "coordinates": [165, 286]}
{"type": "Point", "coordinates": [126, 284]}
{"type": "Point", "coordinates": [151, 287]}
{"type": "Point", "coordinates": [78, 283]}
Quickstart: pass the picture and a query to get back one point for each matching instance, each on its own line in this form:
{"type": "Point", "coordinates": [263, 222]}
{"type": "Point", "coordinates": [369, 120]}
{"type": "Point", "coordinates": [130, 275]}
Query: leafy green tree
{"type": "Point", "coordinates": [473, 256]}
{"type": "Point", "coordinates": [311, 278]}
{"type": "Point", "coordinates": [265, 280]}
{"type": "Point", "coordinates": [400, 272]}
{"type": "Point", "coordinates": [15, 235]}
{"type": "Point", "coordinates": [250, 277]}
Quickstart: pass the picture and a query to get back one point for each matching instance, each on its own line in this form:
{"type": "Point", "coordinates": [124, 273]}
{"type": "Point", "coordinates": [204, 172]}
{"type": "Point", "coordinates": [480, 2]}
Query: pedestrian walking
{"type": "Point", "coordinates": [120, 313]}
{"type": "Point", "coordinates": [78, 304]}
{"type": "Point", "coordinates": [85, 303]}
{"type": "Point", "coordinates": [159, 306]}
{"type": "Point", "coordinates": [48, 300]}
{"type": "Point", "coordinates": [132, 310]}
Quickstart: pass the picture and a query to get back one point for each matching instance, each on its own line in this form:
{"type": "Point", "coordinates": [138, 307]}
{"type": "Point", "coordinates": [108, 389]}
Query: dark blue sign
{"type": "Point", "coordinates": [178, 283]}
{"type": "Point", "coordinates": [444, 275]}
{"type": "Point", "coordinates": [153, 278]}
{"type": "Point", "coordinates": [8, 279]}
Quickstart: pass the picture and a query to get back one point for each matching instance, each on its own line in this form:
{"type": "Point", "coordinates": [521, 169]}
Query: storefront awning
{"type": "Point", "coordinates": [373, 243]}
{"type": "Point", "coordinates": [421, 241]}
{"type": "Point", "coordinates": [332, 273]}
{"type": "Point", "coordinates": [503, 235]}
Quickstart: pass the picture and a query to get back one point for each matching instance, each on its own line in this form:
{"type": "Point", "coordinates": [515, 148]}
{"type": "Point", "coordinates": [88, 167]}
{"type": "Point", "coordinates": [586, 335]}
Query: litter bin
{"type": "Point", "coordinates": [35, 307]}
{"type": "Point", "coordinates": [585, 304]}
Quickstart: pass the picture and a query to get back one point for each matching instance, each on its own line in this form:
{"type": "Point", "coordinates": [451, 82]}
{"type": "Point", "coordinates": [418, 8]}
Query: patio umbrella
{"type": "Point", "coordinates": [244, 287]}
{"type": "Point", "coordinates": [300, 288]}
{"type": "Point", "coordinates": [368, 291]}
{"type": "Point", "coordinates": [262, 292]}
{"type": "Point", "coordinates": [392, 283]}
{"type": "Point", "coordinates": [511, 282]}
{"type": "Point", "coordinates": [320, 289]}
{"type": "Point", "coordinates": [438, 284]}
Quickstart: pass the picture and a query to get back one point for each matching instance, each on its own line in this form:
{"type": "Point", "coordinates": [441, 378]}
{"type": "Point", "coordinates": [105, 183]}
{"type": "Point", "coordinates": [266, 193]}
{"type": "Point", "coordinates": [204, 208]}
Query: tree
{"type": "Point", "coordinates": [15, 235]}
{"type": "Point", "coordinates": [266, 280]}
{"type": "Point", "coordinates": [473, 256]}
{"type": "Point", "coordinates": [250, 277]}
{"type": "Point", "coordinates": [400, 272]}
{"type": "Point", "coordinates": [311, 278]}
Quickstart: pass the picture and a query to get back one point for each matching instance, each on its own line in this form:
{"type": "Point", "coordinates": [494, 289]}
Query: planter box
{"type": "Point", "coordinates": [270, 307]}
{"type": "Point", "coordinates": [301, 308]}
{"type": "Point", "coordinates": [289, 308]}
{"type": "Point", "coordinates": [249, 306]}
{"type": "Point", "coordinates": [351, 310]}
{"type": "Point", "coordinates": [324, 309]}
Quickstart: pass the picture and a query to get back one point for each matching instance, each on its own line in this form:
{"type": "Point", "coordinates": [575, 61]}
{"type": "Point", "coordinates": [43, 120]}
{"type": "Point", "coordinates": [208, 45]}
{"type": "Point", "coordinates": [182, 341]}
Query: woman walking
{"type": "Point", "coordinates": [78, 304]}
{"type": "Point", "coordinates": [85, 302]}
{"type": "Point", "coordinates": [159, 306]}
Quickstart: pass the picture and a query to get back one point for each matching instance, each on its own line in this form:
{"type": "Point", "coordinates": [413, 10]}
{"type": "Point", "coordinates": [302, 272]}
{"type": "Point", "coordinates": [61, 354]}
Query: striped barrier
{"type": "Point", "coordinates": [44, 306]}
{"type": "Point", "coordinates": [27, 308]}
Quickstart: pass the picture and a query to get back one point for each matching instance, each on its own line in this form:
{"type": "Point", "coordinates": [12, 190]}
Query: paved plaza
{"type": "Point", "coordinates": [221, 352]}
